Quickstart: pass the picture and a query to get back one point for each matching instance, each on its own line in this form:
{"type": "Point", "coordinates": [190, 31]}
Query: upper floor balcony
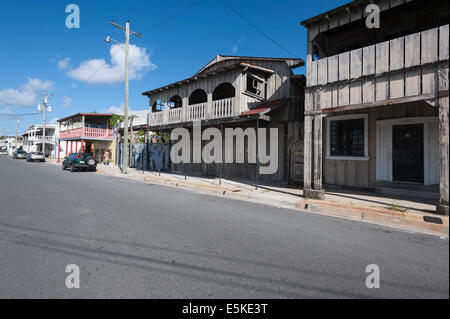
{"type": "Point", "coordinates": [87, 133]}
{"type": "Point", "coordinates": [86, 126]}
{"type": "Point", "coordinates": [407, 68]}
{"type": "Point", "coordinates": [40, 139]}
{"type": "Point", "coordinates": [200, 111]}
{"type": "Point", "coordinates": [225, 88]}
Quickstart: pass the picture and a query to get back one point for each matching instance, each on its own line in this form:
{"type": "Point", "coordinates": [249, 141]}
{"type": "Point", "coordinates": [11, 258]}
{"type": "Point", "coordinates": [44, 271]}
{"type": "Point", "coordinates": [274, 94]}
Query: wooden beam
{"type": "Point", "coordinates": [415, 98]}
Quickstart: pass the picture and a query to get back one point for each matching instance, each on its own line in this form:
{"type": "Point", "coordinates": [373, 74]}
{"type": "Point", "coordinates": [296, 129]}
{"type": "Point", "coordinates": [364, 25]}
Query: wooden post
{"type": "Point", "coordinates": [317, 152]}
{"type": "Point", "coordinates": [307, 153]}
{"type": "Point", "coordinates": [257, 154]}
{"type": "Point", "coordinates": [82, 125]}
{"type": "Point", "coordinates": [443, 207]}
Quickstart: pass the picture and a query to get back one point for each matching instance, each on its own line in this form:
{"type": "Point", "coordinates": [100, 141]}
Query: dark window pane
{"type": "Point", "coordinates": [347, 138]}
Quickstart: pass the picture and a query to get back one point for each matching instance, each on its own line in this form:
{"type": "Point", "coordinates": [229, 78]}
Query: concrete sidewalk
{"type": "Point", "coordinates": [408, 214]}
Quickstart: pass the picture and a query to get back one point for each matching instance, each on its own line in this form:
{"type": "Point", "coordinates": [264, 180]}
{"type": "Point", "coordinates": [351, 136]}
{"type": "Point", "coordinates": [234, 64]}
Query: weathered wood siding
{"type": "Point", "coordinates": [403, 67]}
{"type": "Point", "coordinates": [363, 173]}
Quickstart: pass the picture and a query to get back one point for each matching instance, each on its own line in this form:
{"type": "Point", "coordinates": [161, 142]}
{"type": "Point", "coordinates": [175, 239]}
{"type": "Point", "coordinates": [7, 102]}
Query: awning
{"type": "Point", "coordinates": [266, 107]}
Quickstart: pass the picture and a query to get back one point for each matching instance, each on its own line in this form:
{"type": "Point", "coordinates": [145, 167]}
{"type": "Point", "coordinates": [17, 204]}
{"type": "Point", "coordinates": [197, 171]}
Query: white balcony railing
{"type": "Point", "coordinates": [223, 108]}
{"type": "Point", "coordinates": [202, 111]}
{"type": "Point", "coordinates": [197, 112]}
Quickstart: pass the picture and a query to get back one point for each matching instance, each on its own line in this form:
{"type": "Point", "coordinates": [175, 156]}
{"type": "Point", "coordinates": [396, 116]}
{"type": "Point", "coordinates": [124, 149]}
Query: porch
{"type": "Point", "coordinates": [201, 111]}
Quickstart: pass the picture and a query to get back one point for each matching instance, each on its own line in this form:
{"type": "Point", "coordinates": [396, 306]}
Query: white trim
{"type": "Point", "coordinates": [364, 116]}
{"type": "Point", "coordinates": [384, 152]}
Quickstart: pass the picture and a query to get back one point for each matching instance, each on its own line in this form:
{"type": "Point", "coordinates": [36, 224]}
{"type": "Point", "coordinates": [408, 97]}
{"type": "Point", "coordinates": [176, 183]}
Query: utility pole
{"type": "Point", "coordinates": [125, 111]}
{"type": "Point", "coordinates": [44, 106]}
{"type": "Point", "coordinates": [17, 128]}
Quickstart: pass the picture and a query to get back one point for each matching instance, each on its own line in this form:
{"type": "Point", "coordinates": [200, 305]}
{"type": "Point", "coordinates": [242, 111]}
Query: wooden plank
{"type": "Point", "coordinates": [322, 72]}
{"type": "Point", "coordinates": [430, 46]}
{"type": "Point", "coordinates": [307, 165]}
{"type": "Point", "coordinates": [368, 91]}
{"type": "Point", "coordinates": [312, 78]}
{"type": "Point", "coordinates": [325, 97]}
{"type": "Point", "coordinates": [356, 13]}
{"type": "Point", "coordinates": [323, 25]}
{"type": "Point", "coordinates": [412, 82]}
{"type": "Point", "coordinates": [334, 22]}
{"type": "Point", "coordinates": [334, 95]}
{"type": "Point", "coordinates": [344, 18]}
{"type": "Point", "coordinates": [397, 85]}
{"type": "Point", "coordinates": [382, 57]}
{"type": "Point", "coordinates": [344, 66]}
{"type": "Point", "coordinates": [396, 55]}
{"type": "Point", "coordinates": [356, 63]}
{"type": "Point", "coordinates": [443, 141]}
{"type": "Point", "coordinates": [408, 99]}
{"type": "Point", "coordinates": [355, 92]}
{"type": "Point", "coordinates": [317, 152]}
{"type": "Point", "coordinates": [443, 43]}
{"type": "Point", "coordinates": [429, 79]}
{"type": "Point", "coordinates": [344, 94]}
{"type": "Point", "coordinates": [383, 4]}
{"type": "Point", "coordinates": [369, 60]}
{"type": "Point", "coordinates": [333, 68]}
{"type": "Point", "coordinates": [381, 88]}
{"type": "Point", "coordinates": [412, 50]}
{"type": "Point", "coordinates": [395, 3]}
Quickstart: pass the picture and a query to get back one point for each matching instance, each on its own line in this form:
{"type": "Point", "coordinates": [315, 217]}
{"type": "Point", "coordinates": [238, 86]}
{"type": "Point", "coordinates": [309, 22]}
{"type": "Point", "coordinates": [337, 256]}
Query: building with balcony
{"type": "Point", "coordinates": [33, 139]}
{"type": "Point", "coordinates": [88, 132]}
{"type": "Point", "coordinates": [376, 100]}
{"type": "Point", "coordinates": [231, 92]}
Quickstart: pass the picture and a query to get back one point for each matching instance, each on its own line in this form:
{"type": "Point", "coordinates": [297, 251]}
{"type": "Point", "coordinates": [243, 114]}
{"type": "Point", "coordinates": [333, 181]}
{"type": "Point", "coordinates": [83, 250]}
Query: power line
{"type": "Point", "coordinates": [171, 16]}
{"type": "Point", "coordinates": [256, 28]}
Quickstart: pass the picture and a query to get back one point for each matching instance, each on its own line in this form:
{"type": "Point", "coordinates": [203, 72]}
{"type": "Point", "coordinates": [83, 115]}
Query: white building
{"type": "Point", "coordinates": [33, 139]}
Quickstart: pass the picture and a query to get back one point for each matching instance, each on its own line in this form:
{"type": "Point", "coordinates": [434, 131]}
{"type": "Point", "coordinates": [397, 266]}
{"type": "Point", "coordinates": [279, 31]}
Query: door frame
{"type": "Point", "coordinates": [384, 165]}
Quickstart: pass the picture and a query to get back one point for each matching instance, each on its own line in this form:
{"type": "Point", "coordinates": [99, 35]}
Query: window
{"type": "Point", "coordinates": [158, 106]}
{"type": "Point", "coordinates": [347, 137]}
{"type": "Point", "coordinates": [254, 85]}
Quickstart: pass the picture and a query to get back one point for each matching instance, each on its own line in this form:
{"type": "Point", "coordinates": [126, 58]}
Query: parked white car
{"type": "Point", "coordinates": [3, 151]}
{"type": "Point", "coordinates": [35, 156]}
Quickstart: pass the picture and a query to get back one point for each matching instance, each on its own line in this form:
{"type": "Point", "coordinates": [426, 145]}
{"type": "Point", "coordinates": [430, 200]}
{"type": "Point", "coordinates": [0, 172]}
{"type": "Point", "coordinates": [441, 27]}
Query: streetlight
{"type": "Point", "coordinates": [125, 106]}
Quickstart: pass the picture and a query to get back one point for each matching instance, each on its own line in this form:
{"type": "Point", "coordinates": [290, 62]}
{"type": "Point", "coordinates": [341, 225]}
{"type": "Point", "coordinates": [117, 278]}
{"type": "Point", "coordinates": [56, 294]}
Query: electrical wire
{"type": "Point", "coordinates": [257, 29]}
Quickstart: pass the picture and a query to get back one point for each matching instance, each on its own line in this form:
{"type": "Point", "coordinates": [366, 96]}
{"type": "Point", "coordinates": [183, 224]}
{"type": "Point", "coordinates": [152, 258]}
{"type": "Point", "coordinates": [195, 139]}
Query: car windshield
{"type": "Point", "coordinates": [86, 155]}
{"type": "Point", "coordinates": [21, 152]}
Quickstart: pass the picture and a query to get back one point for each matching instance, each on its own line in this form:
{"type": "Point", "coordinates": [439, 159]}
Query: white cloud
{"type": "Point", "coordinates": [98, 71]}
{"type": "Point", "coordinates": [235, 49]}
{"type": "Point", "coordinates": [113, 109]}
{"type": "Point", "coordinates": [25, 95]}
{"type": "Point", "coordinates": [63, 64]}
{"type": "Point", "coordinates": [66, 101]}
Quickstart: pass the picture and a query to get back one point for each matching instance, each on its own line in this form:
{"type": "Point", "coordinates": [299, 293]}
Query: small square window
{"type": "Point", "coordinates": [347, 137]}
{"type": "Point", "coordinates": [254, 85]}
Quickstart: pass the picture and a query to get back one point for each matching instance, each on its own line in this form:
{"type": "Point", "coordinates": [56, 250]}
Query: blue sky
{"type": "Point", "coordinates": [76, 66]}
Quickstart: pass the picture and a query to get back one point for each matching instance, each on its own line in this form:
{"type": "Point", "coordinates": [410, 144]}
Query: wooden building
{"type": "Point", "coordinates": [234, 91]}
{"type": "Point", "coordinates": [376, 100]}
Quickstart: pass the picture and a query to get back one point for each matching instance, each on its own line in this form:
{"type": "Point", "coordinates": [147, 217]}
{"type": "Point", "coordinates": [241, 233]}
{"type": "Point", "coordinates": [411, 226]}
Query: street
{"type": "Point", "coordinates": [136, 240]}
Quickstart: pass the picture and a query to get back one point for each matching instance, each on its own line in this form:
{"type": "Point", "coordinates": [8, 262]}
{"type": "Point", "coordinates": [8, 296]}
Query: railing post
{"type": "Point", "coordinates": [209, 107]}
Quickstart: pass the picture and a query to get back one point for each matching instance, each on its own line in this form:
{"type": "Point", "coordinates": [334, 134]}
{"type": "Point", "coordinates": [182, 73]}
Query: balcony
{"type": "Point", "coordinates": [400, 70]}
{"type": "Point", "coordinates": [202, 111]}
{"type": "Point", "coordinates": [39, 139]}
{"type": "Point", "coordinates": [89, 133]}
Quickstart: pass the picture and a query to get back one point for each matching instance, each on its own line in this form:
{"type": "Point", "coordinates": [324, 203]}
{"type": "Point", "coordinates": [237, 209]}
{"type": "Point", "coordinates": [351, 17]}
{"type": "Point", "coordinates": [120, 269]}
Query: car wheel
{"type": "Point", "coordinates": [63, 167]}
{"type": "Point", "coordinates": [72, 169]}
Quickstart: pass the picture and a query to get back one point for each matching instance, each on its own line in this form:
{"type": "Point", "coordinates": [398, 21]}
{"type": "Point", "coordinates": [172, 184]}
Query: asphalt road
{"type": "Point", "coordinates": [135, 240]}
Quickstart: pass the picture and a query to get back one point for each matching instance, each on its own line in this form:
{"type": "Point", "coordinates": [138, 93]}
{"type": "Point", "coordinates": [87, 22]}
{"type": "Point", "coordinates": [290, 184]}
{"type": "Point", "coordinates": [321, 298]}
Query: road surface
{"type": "Point", "coordinates": [135, 240]}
